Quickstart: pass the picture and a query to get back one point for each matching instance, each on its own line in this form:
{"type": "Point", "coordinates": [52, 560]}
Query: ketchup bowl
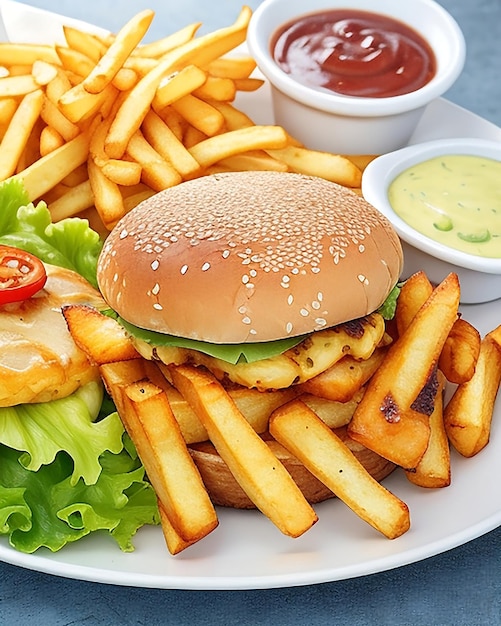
{"type": "Point", "coordinates": [370, 117]}
{"type": "Point", "coordinates": [444, 200]}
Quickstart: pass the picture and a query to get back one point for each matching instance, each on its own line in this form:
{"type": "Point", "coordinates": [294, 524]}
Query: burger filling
{"type": "Point", "coordinates": [313, 355]}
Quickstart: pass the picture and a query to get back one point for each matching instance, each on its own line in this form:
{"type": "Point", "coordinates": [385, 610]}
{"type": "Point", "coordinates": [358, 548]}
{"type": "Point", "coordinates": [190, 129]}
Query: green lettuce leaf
{"type": "Point", "coordinates": [69, 243]}
{"type": "Point", "coordinates": [42, 430]}
{"type": "Point", "coordinates": [389, 306]}
{"type": "Point", "coordinates": [231, 353]}
{"type": "Point", "coordinates": [45, 509]}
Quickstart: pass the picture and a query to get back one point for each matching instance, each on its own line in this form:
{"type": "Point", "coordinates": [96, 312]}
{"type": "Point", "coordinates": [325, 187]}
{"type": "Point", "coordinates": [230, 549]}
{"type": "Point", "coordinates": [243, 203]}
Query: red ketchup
{"type": "Point", "coordinates": [354, 53]}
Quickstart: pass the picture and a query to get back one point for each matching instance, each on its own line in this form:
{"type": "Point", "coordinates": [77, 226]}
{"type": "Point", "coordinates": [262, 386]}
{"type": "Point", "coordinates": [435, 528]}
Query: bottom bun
{"type": "Point", "coordinates": [225, 491]}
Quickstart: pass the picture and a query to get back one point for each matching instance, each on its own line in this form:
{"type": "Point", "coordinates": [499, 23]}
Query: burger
{"type": "Point", "coordinates": [267, 279]}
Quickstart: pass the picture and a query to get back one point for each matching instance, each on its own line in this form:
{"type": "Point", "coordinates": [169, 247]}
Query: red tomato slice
{"type": "Point", "coordinates": [21, 275]}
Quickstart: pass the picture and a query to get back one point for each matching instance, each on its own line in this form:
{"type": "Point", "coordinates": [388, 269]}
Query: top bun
{"type": "Point", "coordinates": [249, 256]}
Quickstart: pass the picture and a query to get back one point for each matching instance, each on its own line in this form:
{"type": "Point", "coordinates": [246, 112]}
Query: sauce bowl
{"type": "Point", "coordinates": [480, 276]}
{"type": "Point", "coordinates": [325, 120]}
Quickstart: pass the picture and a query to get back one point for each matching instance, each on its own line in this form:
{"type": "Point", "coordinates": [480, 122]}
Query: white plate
{"type": "Point", "coordinates": [247, 552]}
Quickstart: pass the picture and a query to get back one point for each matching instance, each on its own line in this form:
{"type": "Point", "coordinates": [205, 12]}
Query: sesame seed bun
{"type": "Point", "coordinates": [249, 256]}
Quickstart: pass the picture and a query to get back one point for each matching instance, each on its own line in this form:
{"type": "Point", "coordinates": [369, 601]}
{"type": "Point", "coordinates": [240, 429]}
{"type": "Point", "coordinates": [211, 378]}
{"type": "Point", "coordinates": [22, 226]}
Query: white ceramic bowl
{"type": "Point", "coordinates": [324, 120]}
{"type": "Point", "coordinates": [480, 277]}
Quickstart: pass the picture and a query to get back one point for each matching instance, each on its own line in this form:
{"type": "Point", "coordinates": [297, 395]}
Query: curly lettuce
{"type": "Point", "coordinates": [65, 474]}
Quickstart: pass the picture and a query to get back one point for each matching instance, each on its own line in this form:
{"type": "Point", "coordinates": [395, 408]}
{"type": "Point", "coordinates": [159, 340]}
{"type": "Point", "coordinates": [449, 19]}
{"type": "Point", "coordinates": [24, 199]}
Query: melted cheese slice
{"type": "Point", "coordinates": [39, 361]}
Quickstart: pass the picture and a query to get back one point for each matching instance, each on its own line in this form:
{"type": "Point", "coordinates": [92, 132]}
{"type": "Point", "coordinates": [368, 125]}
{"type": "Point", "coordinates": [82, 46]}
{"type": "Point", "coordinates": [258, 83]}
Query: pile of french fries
{"type": "Point", "coordinates": [102, 123]}
{"type": "Point", "coordinates": [397, 409]}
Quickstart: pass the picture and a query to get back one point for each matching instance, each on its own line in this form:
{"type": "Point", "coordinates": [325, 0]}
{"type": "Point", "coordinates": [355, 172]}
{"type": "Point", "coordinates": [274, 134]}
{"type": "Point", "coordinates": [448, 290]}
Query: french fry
{"type": "Point", "coordinates": [43, 72]}
{"type": "Point", "coordinates": [341, 381]}
{"type": "Point", "coordinates": [251, 462]}
{"type": "Point", "coordinates": [49, 170]}
{"type": "Point", "coordinates": [385, 420]}
{"type": "Point", "coordinates": [468, 414]}
{"type": "Point", "coordinates": [299, 430]}
{"type": "Point", "coordinates": [8, 107]}
{"type": "Point", "coordinates": [158, 48]}
{"type": "Point", "coordinates": [216, 88]}
{"type": "Point", "coordinates": [18, 131]}
{"type": "Point", "coordinates": [248, 84]}
{"type": "Point", "coordinates": [12, 86]}
{"type": "Point", "coordinates": [50, 140]}
{"type": "Point", "coordinates": [171, 470]}
{"type": "Point", "coordinates": [101, 337]}
{"type": "Point", "coordinates": [26, 54]}
{"type": "Point", "coordinates": [107, 197]}
{"type": "Point", "coordinates": [460, 353]}
{"type": "Point", "coordinates": [125, 79]}
{"type": "Point", "coordinates": [173, 540]}
{"type": "Point", "coordinates": [74, 61]}
{"type": "Point", "coordinates": [413, 294]}
{"type": "Point", "coordinates": [112, 60]}
{"type": "Point", "coordinates": [53, 117]}
{"type": "Point", "coordinates": [199, 114]}
{"type": "Point", "coordinates": [228, 144]}
{"type": "Point", "coordinates": [79, 105]}
{"type": "Point", "coordinates": [84, 42]}
{"type": "Point", "coordinates": [178, 85]}
{"type": "Point", "coordinates": [157, 173]}
{"type": "Point", "coordinates": [163, 139]}
{"type": "Point", "coordinates": [333, 413]}
{"type": "Point", "coordinates": [126, 173]}
{"type": "Point", "coordinates": [234, 67]}
{"type": "Point", "coordinates": [333, 167]}
{"type": "Point", "coordinates": [253, 160]}
{"type": "Point", "coordinates": [434, 469]}
{"type": "Point", "coordinates": [59, 85]}
{"type": "Point", "coordinates": [75, 200]}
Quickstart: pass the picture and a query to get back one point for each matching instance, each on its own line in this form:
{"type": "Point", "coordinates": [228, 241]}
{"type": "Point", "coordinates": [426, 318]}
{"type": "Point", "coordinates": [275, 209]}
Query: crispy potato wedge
{"type": "Point", "coordinates": [434, 468]}
{"type": "Point", "coordinates": [299, 430]}
{"type": "Point", "coordinates": [342, 381]}
{"type": "Point", "coordinates": [385, 420]}
{"type": "Point", "coordinates": [100, 337]}
{"type": "Point", "coordinates": [460, 352]}
{"type": "Point", "coordinates": [468, 415]}
{"type": "Point", "coordinates": [413, 294]}
{"type": "Point", "coordinates": [149, 420]}
{"type": "Point", "coordinates": [255, 467]}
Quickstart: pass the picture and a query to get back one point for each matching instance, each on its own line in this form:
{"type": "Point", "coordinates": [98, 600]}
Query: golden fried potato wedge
{"type": "Point", "coordinates": [468, 415]}
{"type": "Point", "coordinates": [255, 467]}
{"type": "Point", "coordinates": [299, 430]}
{"type": "Point", "coordinates": [385, 420]}
{"type": "Point", "coordinates": [100, 337]}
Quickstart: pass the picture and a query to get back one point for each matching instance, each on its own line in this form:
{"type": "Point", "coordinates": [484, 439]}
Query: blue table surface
{"type": "Point", "coordinates": [459, 587]}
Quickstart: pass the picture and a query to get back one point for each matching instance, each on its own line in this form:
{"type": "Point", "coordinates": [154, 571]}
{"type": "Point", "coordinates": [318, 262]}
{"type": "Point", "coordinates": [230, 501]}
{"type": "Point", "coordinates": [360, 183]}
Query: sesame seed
{"type": "Point", "coordinates": [205, 267]}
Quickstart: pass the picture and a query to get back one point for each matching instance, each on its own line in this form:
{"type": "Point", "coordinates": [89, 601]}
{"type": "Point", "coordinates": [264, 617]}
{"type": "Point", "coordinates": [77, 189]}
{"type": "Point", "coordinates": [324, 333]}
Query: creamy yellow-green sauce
{"type": "Point", "coordinates": [453, 199]}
